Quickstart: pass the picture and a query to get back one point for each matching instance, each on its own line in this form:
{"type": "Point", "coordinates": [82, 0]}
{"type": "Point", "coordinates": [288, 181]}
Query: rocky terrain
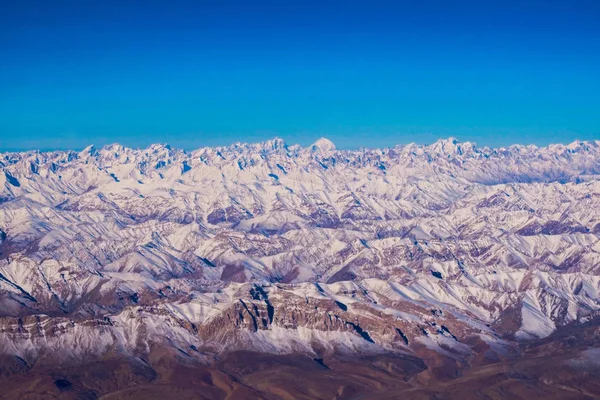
{"type": "Point", "coordinates": [275, 271]}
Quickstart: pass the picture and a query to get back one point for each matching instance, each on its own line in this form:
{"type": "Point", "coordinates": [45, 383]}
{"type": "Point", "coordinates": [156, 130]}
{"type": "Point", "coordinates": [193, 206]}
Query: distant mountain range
{"type": "Point", "coordinates": [447, 258]}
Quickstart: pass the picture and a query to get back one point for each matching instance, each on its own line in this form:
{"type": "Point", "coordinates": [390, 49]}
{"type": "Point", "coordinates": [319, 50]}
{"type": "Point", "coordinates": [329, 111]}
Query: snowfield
{"type": "Point", "coordinates": [279, 248]}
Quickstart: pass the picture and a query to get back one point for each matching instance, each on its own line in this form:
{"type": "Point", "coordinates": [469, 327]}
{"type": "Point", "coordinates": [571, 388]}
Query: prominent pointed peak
{"type": "Point", "coordinates": [159, 147]}
{"type": "Point", "coordinates": [323, 144]}
{"type": "Point", "coordinates": [113, 147]}
{"type": "Point", "coordinates": [450, 141]}
{"type": "Point", "coordinates": [451, 145]}
{"type": "Point", "coordinates": [275, 144]}
{"type": "Point", "coordinates": [91, 150]}
{"type": "Point", "coordinates": [577, 145]}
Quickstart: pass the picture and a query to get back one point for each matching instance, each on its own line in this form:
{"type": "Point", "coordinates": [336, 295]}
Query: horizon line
{"type": "Point", "coordinates": [275, 138]}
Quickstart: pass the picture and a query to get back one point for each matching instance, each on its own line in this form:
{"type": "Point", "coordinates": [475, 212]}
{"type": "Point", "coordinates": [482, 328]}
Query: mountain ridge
{"type": "Point", "coordinates": [445, 252]}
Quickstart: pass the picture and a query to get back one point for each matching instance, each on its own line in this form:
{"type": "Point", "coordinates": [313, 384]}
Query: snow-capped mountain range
{"type": "Point", "coordinates": [448, 248]}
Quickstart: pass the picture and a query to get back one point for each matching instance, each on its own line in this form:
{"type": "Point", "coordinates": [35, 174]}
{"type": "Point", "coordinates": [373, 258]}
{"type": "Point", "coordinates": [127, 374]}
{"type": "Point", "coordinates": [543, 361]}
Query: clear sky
{"type": "Point", "coordinates": [362, 73]}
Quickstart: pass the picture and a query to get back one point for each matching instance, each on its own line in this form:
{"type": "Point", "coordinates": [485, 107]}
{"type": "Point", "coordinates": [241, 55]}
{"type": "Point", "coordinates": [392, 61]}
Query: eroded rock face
{"type": "Point", "coordinates": [561, 366]}
{"type": "Point", "coordinates": [449, 253]}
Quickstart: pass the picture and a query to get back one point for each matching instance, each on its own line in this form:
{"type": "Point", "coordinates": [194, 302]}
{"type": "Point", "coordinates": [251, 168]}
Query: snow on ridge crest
{"type": "Point", "coordinates": [449, 157]}
{"type": "Point", "coordinates": [448, 145]}
{"type": "Point", "coordinates": [498, 239]}
{"type": "Point", "coordinates": [323, 144]}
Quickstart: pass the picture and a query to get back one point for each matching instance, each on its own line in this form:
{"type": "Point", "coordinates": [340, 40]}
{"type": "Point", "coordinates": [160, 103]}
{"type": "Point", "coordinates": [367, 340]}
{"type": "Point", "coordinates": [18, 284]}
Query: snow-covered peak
{"type": "Point", "coordinates": [324, 145]}
{"type": "Point", "coordinates": [155, 148]}
{"type": "Point", "coordinates": [451, 146]}
{"type": "Point", "coordinates": [275, 144]}
{"type": "Point", "coordinates": [90, 150]}
{"type": "Point", "coordinates": [113, 147]}
{"type": "Point", "coordinates": [441, 242]}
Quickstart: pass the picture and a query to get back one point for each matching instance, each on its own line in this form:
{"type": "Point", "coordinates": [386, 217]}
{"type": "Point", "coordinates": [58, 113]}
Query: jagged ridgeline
{"type": "Point", "coordinates": [449, 251]}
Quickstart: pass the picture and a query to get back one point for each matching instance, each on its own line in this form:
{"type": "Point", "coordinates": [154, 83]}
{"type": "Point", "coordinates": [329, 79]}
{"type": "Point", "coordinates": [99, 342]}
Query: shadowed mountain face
{"type": "Point", "coordinates": [274, 271]}
{"type": "Point", "coordinates": [563, 366]}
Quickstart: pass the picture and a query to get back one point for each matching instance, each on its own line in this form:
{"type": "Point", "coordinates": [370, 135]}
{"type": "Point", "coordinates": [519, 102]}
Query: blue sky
{"type": "Point", "coordinates": [368, 73]}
